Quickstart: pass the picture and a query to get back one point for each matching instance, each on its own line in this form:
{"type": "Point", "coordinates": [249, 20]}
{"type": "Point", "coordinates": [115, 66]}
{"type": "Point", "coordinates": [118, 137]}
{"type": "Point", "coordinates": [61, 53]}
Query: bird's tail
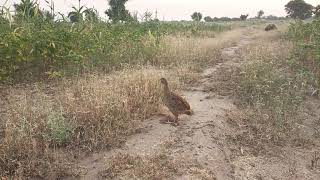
{"type": "Point", "coordinates": [189, 112]}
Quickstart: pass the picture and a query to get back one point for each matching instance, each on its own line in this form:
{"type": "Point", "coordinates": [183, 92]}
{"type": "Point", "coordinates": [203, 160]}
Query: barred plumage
{"type": "Point", "coordinates": [175, 103]}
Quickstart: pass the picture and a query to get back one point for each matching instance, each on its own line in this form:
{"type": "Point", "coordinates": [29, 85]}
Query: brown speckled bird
{"type": "Point", "coordinates": [175, 103]}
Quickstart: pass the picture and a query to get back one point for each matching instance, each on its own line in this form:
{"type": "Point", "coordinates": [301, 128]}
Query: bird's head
{"type": "Point", "coordinates": [164, 81]}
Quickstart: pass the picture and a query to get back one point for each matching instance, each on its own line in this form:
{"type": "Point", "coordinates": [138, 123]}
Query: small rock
{"type": "Point", "coordinates": [208, 97]}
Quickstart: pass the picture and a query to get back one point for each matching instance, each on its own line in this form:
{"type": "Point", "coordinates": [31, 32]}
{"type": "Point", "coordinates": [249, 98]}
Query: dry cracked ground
{"type": "Point", "coordinates": [200, 147]}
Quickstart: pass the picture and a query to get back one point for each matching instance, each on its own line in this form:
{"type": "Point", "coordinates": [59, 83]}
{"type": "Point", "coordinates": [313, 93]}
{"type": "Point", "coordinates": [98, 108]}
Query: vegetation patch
{"type": "Point", "coordinates": [39, 48]}
{"type": "Point", "coordinates": [270, 92]}
{"type": "Point", "coordinates": [307, 47]}
{"type": "Point", "coordinates": [91, 113]}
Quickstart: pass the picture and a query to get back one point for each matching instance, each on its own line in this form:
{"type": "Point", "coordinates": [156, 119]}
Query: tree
{"type": "Point", "coordinates": [224, 19]}
{"type": "Point", "coordinates": [244, 17]}
{"type": "Point", "coordinates": [196, 16]}
{"type": "Point", "coordinates": [273, 17]}
{"type": "Point", "coordinates": [117, 11]}
{"type": "Point", "coordinates": [299, 9]}
{"type": "Point", "coordinates": [260, 14]}
{"type": "Point", "coordinates": [208, 19]}
{"type": "Point", "coordinates": [317, 11]}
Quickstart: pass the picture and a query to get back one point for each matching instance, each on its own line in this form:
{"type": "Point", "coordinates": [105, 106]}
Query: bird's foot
{"type": "Point", "coordinates": [175, 124]}
{"type": "Point", "coordinates": [167, 121]}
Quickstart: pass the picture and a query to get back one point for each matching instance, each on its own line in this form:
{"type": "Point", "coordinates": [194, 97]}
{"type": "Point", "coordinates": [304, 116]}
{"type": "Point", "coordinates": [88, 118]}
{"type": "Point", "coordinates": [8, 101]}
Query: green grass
{"type": "Point", "coordinates": [37, 48]}
{"type": "Point", "coordinates": [59, 129]}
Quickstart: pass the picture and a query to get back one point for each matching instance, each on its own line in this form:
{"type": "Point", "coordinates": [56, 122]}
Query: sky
{"type": "Point", "coordinates": [182, 9]}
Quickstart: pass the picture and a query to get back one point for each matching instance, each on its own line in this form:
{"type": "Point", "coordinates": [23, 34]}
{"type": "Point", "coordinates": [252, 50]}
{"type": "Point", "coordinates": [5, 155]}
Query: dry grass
{"type": "Point", "coordinates": [150, 167]}
{"type": "Point", "coordinates": [268, 83]}
{"type": "Point", "coordinates": [270, 92]}
{"type": "Point", "coordinates": [158, 166]}
{"type": "Point", "coordinates": [188, 56]}
{"type": "Point", "coordinates": [40, 122]}
{"type": "Point", "coordinates": [261, 35]}
{"type": "Point", "coordinates": [92, 113]}
{"type": "Point", "coordinates": [195, 52]}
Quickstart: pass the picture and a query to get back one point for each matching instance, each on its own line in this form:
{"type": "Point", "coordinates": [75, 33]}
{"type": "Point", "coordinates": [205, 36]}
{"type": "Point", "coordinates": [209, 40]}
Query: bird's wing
{"type": "Point", "coordinates": [180, 102]}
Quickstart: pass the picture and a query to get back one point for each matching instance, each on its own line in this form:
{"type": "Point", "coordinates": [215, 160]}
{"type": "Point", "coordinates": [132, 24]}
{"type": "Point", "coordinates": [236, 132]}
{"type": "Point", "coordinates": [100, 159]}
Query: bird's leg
{"type": "Point", "coordinates": [176, 118]}
{"type": "Point", "coordinates": [170, 120]}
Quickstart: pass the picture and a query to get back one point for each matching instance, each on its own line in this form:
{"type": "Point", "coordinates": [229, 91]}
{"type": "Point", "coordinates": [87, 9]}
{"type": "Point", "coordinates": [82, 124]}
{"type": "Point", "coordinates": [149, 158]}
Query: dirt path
{"type": "Point", "coordinates": [200, 140]}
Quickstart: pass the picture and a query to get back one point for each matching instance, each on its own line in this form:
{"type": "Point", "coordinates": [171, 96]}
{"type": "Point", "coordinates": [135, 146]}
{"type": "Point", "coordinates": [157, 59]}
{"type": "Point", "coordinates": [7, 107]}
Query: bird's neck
{"type": "Point", "coordinates": [166, 89]}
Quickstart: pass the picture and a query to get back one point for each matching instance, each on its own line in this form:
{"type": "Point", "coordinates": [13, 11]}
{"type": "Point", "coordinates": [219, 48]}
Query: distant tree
{"type": "Point", "coordinates": [317, 11]}
{"type": "Point", "coordinates": [225, 19]}
{"type": "Point", "coordinates": [299, 9]}
{"type": "Point", "coordinates": [260, 14]}
{"type": "Point", "coordinates": [244, 17]}
{"type": "Point", "coordinates": [272, 17]}
{"type": "Point", "coordinates": [196, 16]}
{"type": "Point", "coordinates": [117, 11]}
{"type": "Point", "coordinates": [208, 19]}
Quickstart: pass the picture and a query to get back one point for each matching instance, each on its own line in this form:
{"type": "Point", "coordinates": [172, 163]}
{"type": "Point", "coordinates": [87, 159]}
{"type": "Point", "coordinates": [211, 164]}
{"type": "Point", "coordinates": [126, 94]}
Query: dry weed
{"type": "Point", "coordinates": [150, 167]}
{"type": "Point", "coordinates": [93, 112]}
{"type": "Point", "coordinates": [270, 91]}
{"type": "Point", "coordinates": [158, 166]}
{"type": "Point", "coordinates": [267, 82]}
{"type": "Point", "coordinates": [195, 52]}
{"type": "Point", "coordinates": [109, 106]}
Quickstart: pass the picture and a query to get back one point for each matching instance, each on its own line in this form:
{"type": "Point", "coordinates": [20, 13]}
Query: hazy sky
{"type": "Point", "coordinates": [182, 9]}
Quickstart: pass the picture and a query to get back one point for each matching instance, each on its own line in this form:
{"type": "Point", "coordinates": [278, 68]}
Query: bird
{"type": "Point", "coordinates": [175, 103]}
